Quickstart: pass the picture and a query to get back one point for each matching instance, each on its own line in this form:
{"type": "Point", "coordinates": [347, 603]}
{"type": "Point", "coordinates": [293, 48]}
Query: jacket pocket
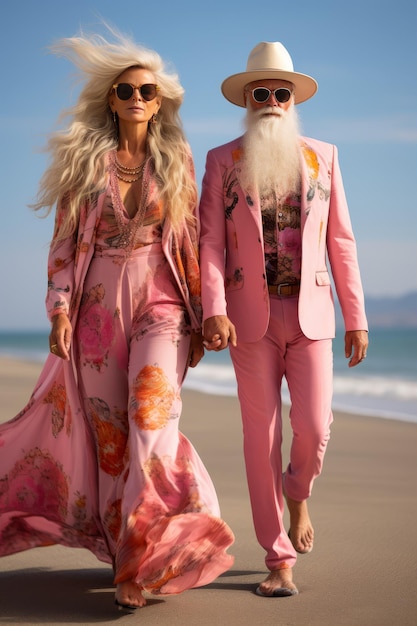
{"type": "Point", "coordinates": [322, 278]}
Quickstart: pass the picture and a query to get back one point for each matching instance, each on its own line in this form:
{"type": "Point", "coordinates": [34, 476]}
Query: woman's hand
{"type": "Point", "coordinates": [218, 333]}
{"type": "Point", "coordinates": [60, 336]}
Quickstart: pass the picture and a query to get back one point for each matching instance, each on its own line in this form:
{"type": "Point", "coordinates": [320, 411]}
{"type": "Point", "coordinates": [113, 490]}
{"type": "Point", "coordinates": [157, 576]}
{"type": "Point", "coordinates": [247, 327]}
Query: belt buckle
{"type": "Point", "coordinates": [282, 285]}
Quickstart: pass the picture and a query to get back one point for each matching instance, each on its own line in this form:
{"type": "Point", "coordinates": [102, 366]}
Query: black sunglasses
{"type": "Point", "coordinates": [124, 91]}
{"type": "Point", "coordinates": [262, 94]}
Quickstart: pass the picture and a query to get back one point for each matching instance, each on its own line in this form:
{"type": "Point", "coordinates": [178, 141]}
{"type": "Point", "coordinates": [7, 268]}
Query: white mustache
{"type": "Point", "coordinates": [269, 111]}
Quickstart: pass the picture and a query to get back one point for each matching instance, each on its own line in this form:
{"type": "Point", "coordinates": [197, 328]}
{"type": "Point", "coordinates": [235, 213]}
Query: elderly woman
{"type": "Point", "coordinates": [96, 459]}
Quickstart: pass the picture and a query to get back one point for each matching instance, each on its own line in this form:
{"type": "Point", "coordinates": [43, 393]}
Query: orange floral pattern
{"type": "Point", "coordinates": [313, 167]}
{"type": "Point", "coordinates": [111, 438]}
{"type": "Point", "coordinates": [153, 398]}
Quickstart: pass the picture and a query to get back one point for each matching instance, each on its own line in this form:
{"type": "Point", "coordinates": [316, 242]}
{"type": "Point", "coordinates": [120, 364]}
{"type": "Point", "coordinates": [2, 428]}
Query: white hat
{"type": "Point", "coordinates": [268, 60]}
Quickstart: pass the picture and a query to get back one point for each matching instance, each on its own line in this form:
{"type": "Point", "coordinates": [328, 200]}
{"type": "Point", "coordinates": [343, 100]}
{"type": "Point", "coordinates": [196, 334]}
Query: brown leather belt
{"type": "Point", "coordinates": [284, 289]}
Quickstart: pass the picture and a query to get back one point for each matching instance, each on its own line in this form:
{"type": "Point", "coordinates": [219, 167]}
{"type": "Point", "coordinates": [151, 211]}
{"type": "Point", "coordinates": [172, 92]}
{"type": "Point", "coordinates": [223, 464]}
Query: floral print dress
{"type": "Point", "coordinates": [96, 458]}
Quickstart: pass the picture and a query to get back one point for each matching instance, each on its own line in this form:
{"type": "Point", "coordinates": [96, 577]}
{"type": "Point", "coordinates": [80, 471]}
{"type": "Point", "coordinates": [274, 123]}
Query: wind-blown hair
{"type": "Point", "coordinates": [78, 168]}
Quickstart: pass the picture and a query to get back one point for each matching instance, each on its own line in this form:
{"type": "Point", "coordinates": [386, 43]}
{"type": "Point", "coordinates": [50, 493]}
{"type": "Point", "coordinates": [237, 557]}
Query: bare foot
{"type": "Point", "coordinates": [301, 530]}
{"type": "Point", "coordinates": [278, 583]}
{"type": "Point", "coordinates": [129, 595]}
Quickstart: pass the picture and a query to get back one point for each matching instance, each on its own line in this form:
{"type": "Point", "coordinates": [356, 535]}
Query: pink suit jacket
{"type": "Point", "coordinates": [232, 252]}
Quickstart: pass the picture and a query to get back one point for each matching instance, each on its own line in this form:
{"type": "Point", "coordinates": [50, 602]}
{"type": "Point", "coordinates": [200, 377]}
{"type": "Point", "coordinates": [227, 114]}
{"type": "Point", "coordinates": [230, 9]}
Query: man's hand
{"type": "Point", "coordinates": [218, 332]}
{"type": "Point", "coordinates": [356, 340]}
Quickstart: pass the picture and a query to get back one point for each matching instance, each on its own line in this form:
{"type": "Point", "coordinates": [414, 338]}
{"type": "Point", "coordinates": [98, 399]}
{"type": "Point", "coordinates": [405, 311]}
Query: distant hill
{"type": "Point", "coordinates": [387, 312]}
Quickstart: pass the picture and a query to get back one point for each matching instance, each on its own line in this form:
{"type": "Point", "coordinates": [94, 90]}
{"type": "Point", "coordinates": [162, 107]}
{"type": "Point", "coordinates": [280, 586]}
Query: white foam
{"type": "Point", "coordinates": [379, 396]}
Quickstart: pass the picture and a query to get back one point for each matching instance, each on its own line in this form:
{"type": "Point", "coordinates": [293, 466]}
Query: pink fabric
{"type": "Point", "coordinates": [48, 473]}
{"type": "Point", "coordinates": [307, 366]}
{"type": "Point", "coordinates": [276, 337]}
{"type": "Point", "coordinates": [231, 230]}
{"type": "Point", "coordinates": [96, 460]}
{"type": "Point", "coordinates": [155, 513]}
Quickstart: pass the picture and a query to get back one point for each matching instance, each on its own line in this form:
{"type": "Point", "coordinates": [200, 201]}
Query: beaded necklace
{"type": "Point", "coordinates": [129, 227]}
{"type": "Point", "coordinates": [133, 173]}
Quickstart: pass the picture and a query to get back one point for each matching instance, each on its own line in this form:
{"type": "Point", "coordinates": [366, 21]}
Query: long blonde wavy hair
{"type": "Point", "coordinates": [77, 168]}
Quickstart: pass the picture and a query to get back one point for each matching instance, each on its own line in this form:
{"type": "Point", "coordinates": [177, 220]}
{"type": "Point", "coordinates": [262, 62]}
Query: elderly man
{"type": "Point", "coordinates": [272, 208]}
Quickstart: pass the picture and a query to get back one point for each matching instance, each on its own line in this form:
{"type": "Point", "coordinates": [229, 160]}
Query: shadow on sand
{"type": "Point", "coordinates": [43, 595]}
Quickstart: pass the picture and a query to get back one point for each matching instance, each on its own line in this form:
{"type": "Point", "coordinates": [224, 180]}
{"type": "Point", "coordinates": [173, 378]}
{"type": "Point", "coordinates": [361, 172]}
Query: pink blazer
{"type": "Point", "coordinates": [232, 252]}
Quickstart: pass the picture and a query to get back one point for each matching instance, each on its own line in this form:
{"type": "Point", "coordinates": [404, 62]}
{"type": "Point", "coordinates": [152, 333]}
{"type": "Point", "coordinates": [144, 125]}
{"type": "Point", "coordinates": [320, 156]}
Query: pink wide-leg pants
{"type": "Point", "coordinates": [158, 506]}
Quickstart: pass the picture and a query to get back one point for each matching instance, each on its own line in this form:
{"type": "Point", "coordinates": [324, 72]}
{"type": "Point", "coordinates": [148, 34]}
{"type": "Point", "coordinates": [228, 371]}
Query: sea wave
{"type": "Point", "coordinates": [376, 386]}
{"type": "Point", "coordinates": [380, 396]}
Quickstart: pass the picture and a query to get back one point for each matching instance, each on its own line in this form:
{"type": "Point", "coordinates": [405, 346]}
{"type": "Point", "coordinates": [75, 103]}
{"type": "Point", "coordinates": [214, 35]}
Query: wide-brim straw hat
{"type": "Point", "coordinates": [268, 60]}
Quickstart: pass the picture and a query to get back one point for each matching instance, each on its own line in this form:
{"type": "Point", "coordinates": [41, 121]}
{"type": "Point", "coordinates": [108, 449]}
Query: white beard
{"type": "Point", "coordinates": [271, 152]}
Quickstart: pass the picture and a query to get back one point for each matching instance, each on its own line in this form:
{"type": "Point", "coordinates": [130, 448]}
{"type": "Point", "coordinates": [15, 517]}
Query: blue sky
{"type": "Point", "coordinates": [362, 53]}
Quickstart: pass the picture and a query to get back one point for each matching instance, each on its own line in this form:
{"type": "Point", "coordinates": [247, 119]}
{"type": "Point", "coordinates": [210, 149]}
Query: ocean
{"type": "Point", "coordinates": [385, 385]}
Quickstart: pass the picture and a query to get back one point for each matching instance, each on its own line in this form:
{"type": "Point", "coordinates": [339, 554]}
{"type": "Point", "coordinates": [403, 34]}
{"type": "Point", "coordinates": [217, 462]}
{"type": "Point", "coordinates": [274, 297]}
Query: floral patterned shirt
{"type": "Point", "coordinates": [282, 238]}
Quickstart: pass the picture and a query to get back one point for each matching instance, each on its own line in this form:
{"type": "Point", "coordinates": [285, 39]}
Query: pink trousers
{"type": "Point", "coordinates": [96, 459]}
{"type": "Point", "coordinates": [260, 367]}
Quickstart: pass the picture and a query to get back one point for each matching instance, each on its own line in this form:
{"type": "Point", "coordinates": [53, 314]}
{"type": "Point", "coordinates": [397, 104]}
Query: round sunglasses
{"type": "Point", "coordinates": [124, 91]}
{"type": "Point", "coordinates": [262, 94]}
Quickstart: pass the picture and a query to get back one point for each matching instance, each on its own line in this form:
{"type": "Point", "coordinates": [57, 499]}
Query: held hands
{"type": "Point", "coordinates": [218, 332]}
{"type": "Point", "coordinates": [356, 340]}
{"type": "Point", "coordinates": [60, 336]}
{"type": "Point", "coordinates": [60, 340]}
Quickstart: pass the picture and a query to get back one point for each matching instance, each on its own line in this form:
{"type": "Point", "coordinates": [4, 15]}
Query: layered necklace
{"type": "Point", "coordinates": [129, 227]}
{"type": "Point", "coordinates": [128, 174]}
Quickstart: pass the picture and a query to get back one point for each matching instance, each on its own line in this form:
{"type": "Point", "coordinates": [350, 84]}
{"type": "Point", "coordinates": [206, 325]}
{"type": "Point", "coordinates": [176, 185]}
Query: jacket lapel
{"type": "Point", "coordinates": [252, 201]}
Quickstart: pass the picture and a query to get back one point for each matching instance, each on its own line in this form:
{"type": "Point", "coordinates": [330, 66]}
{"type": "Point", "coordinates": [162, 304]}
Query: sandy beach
{"type": "Point", "coordinates": [362, 571]}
